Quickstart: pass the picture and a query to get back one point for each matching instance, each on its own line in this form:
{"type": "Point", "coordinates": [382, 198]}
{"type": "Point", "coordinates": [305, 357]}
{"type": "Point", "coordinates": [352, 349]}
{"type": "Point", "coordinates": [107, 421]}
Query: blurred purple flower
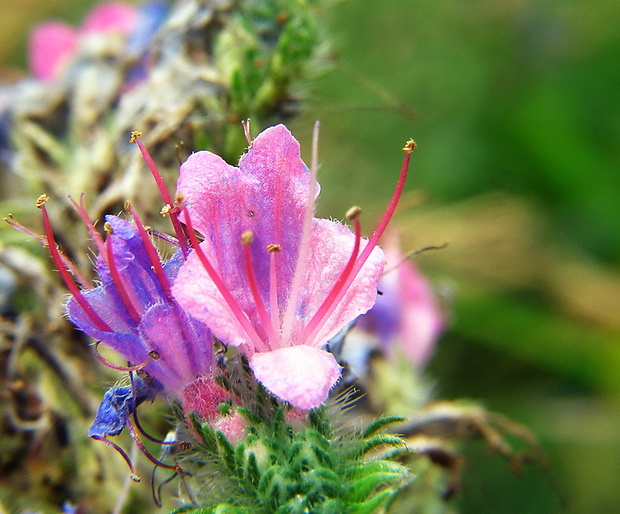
{"type": "Point", "coordinates": [406, 316]}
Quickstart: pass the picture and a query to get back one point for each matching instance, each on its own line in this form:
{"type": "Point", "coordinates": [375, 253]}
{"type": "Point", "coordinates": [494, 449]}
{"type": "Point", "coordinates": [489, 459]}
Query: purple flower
{"type": "Point", "coordinates": [269, 278]}
{"type": "Point", "coordinates": [406, 315]}
{"type": "Point", "coordinates": [136, 314]}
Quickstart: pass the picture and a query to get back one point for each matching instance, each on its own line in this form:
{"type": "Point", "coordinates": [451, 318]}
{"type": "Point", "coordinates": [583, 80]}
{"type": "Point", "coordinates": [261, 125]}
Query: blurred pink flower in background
{"type": "Point", "coordinates": [53, 43]}
{"type": "Point", "coordinates": [406, 317]}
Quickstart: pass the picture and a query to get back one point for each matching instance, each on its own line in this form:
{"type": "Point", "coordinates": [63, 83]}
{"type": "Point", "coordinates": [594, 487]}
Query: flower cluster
{"type": "Point", "coordinates": [254, 269]}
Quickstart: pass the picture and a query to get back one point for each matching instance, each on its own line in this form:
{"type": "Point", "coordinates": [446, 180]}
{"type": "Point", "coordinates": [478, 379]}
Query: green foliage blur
{"type": "Point", "coordinates": [515, 107]}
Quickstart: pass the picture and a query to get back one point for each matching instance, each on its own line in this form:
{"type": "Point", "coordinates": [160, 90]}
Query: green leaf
{"type": "Point", "coordinates": [363, 488]}
{"type": "Point", "coordinates": [380, 423]}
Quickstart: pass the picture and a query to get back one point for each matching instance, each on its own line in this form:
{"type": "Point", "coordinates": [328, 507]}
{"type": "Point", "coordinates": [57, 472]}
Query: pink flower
{"type": "Point", "coordinates": [52, 43]}
{"type": "Point", "coordinates": [269, 278]}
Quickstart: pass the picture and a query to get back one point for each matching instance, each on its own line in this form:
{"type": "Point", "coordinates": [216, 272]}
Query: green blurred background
{"type": "Point", "coordinates": [515, 105]}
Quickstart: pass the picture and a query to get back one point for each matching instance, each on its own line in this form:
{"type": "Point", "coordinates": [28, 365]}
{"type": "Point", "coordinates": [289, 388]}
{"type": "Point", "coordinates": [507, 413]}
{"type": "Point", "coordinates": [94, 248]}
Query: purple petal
{"type": "Point", "coordinates": [184, 346]}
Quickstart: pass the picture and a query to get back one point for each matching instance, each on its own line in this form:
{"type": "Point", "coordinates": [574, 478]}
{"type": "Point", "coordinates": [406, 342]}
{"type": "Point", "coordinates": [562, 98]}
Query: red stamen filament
{"type": "Point", "coordinates": [133, 307]}
{"type": "Point", "coordinates": [165, 194]}
{"type": "Point", "coordinates": [258, 301]}
{"type": "Point", "coordinates": [94, 234]}
{"type": "Point", "coordinates": [345, 280]}
{"type": "Point", "coordinates": [134, 475]}
{"type": "Point", "coordinates": [329, 304]}
{"type": "Point", "coordinates": [238, 312]}
{"type": "Point", "coordinates": [152, 356]}
{"type": "Point", "coordinates": [389, 212]}
{"type": "Point", "coordinates": [73, 288]}
{"type": "Point", "coordinates": [73, 269]}
{"type": "Point", "coordinates": [153, 256]}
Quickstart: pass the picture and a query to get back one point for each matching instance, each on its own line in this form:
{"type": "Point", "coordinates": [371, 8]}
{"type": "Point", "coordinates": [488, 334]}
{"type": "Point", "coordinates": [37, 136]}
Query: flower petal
{"type": "Point", "coordinates": [184, 345]}
{"type": "Point", "coordinates": [300, 375]}
{"type": "Point", "coordinates": [51, 44]}
{"type": "Point", "coordinates": [266, 195]}
{"type": "Point", "coordinates": [111, 17]}
{"type": "Point", "coordinates": [331, 246]}
{"type": "Point", "coordinates": [421, 320]}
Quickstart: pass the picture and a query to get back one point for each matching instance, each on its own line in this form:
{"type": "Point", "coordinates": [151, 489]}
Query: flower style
{"type": "Point", "coordinates": [269, 278]}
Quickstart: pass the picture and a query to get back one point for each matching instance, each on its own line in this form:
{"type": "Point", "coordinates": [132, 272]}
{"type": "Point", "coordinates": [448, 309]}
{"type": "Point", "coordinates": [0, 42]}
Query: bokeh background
{"type": "Point", "coordinates": [515, 105]}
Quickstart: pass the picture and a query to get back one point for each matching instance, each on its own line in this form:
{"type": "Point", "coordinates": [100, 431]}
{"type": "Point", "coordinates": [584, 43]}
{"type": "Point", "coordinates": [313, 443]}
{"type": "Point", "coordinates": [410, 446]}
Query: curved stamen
{"type": "Point", "coordinates": [163, 190]}
{"type": "Point", "coordinates": [94, 234]}
{"type": "Point", "coordinates": [246, 240]}
{"type": "Point", "coordinates": [153, 256]}
{"type": "Point", "coordinates": [235, 308]}
{"type": "Point", "coordinates": [153, 356]}
{"type": "Point", "coordinates": [129, 302]}
{"type": "Point", "coordinates": [372, 242]}
{"type": "Point", "coordinates": [134, 475]}
{"type": "Point", "coordinates": [73, 269]}
{"type": "Point", "coordinates": [138, 442]}
{"type": "Point", "coordinates": [73, 288]}
{"type": "Point", "coordinates": [329, 304]}
{"type": "Point", "coordinates": [150, 437]}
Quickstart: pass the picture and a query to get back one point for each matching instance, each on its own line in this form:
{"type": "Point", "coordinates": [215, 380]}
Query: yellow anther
{"type": "Point", "coordinates": [178, 199]}
{"type": "Point", "coordinates": [247, 237]}
{"type": "Point", "coordinates": [165, 210]}
{"type": "Point", "coordinates": [409, 146]}
{"type": "Point", "coordinates": [127, 205]}
{"type": "Point", "coordinates": [41, 201]}
{"type": "Point", "coordinates": [353, 212]}
{"type": "Point", "coordinates": [134, 136]}
{"type": "Point", "coordinates": [108, 228]}
{"type": "Point", "coordinates": [274, 248]}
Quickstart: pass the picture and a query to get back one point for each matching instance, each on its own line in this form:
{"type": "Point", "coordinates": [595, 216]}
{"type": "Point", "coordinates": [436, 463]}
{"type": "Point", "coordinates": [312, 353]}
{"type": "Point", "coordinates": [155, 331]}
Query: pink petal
{"type": "Point", "coordinates": [198, 295]}
{"type": "Point", "coordinates": [300, 375]}
{"type": "Point", "coordinates": [267, 194]}
{"type": "Point", "coordinates": [111, 17]}
{"type": "Point", "coordinates": [51, 44]}
{"type": "Point", "coordinates": [331, 246]}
